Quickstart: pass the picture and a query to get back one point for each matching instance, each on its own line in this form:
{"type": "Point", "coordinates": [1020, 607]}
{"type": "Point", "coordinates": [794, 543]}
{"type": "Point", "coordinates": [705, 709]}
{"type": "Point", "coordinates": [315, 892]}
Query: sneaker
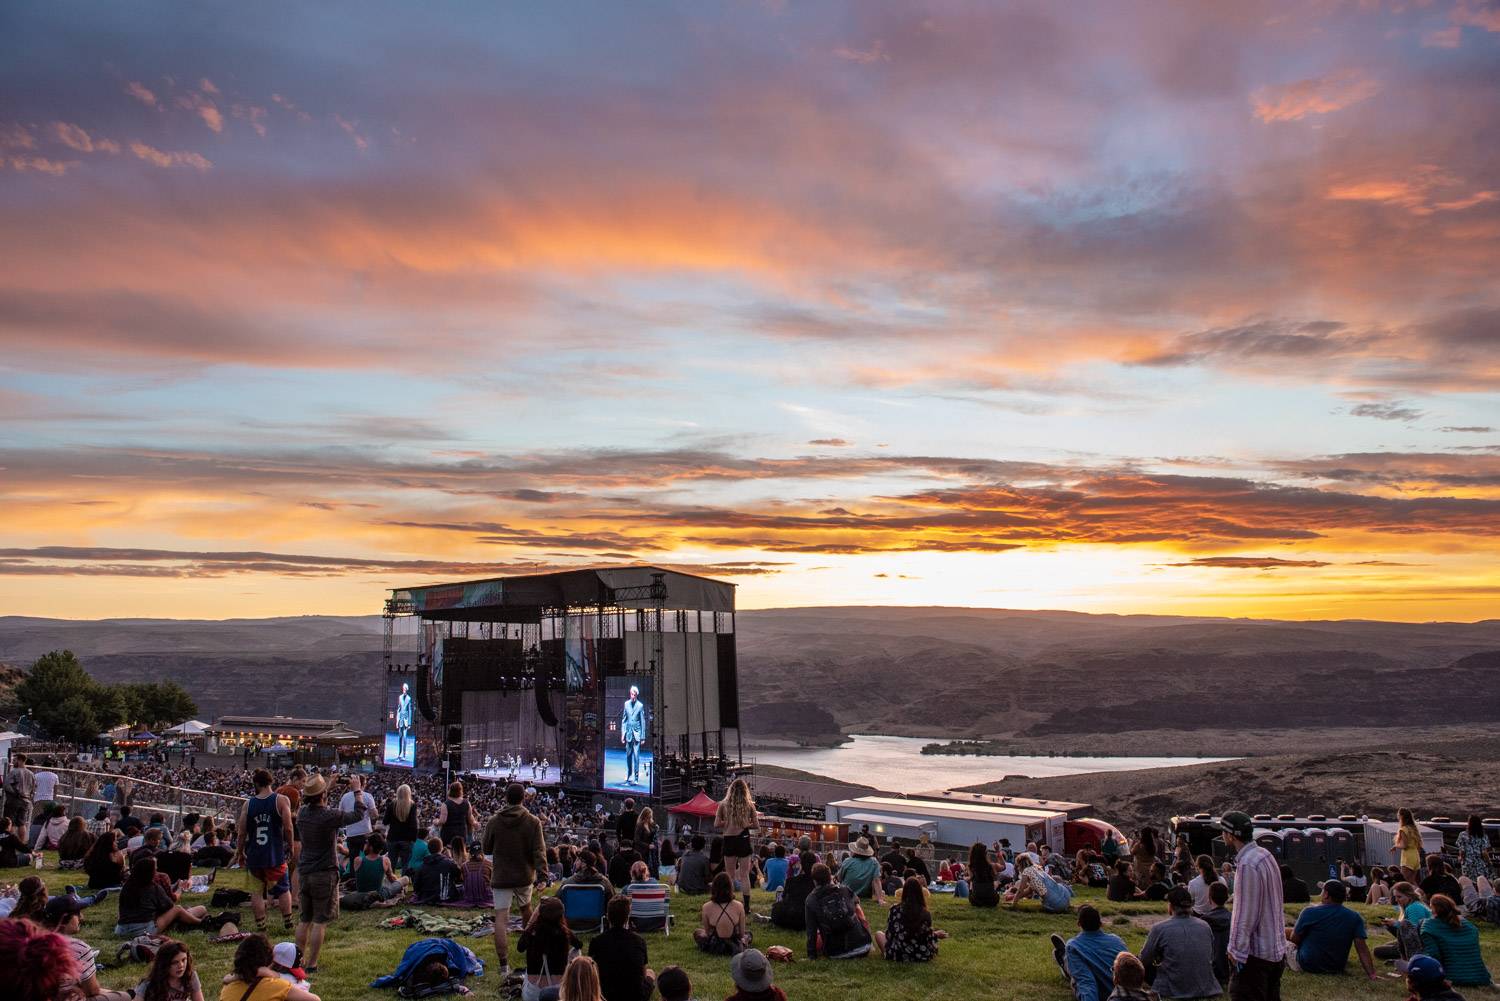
{"type": "Point", "coordinates": [1060, 953]}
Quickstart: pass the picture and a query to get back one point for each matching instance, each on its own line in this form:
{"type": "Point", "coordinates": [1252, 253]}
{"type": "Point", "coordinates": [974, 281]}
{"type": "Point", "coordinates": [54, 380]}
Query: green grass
{"type": "Point", "coordinates": [998, 954]}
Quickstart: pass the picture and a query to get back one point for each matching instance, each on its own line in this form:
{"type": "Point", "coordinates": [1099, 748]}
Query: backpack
{"type": "Point", "coordinates": [141, 949]}
{"type": "Point", "coordinates": [226, 897]}
{"type": "Point", "coordinates": [832, 909]}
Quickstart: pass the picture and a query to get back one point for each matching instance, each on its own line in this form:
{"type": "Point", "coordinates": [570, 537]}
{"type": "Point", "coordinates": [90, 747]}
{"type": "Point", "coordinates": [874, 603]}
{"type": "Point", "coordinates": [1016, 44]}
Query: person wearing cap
{"type": "Point", "coordinates": [1325, 931]}
{"type": "Point", "coordinates": [284, 964]}
{"type": "Point", "coordinates": [861, 873]}
{"type": "Point", "coordinates": [318, 896]}
{"type": "Point", "coordinates": [1257, 926]}
{"type": "Point", "coordinates": [751, 973]}
{"type": "Point", "coordinates": [1179, 952]}
{"type": "Point", "coordinates": [63, 915]}
{"type": "Point", "coordinates": [1428, 981]}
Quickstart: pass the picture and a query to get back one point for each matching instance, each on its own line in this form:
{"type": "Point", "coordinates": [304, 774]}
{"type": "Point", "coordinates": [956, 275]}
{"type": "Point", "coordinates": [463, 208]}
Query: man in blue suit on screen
{"type": "Point", "coordinates": [632, 733]}
{"type": "Point", "coordinates": [403, 719]}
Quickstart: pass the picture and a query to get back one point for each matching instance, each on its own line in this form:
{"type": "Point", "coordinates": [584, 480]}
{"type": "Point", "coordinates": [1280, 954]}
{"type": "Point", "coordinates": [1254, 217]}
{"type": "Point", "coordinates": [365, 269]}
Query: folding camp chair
{"type": "Point", "coordinates": [649, 907]}
{"type": "Point", "coordinates": [583, 906]}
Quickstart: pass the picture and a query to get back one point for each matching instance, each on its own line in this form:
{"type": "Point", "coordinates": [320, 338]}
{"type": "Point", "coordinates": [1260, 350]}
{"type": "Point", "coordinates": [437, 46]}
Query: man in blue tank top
{"type": "Point", "coordinates": [265, 846]}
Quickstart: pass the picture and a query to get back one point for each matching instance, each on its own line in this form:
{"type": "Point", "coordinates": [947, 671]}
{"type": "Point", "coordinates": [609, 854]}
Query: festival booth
{"type": "Point", "coordinates": [699, 808]}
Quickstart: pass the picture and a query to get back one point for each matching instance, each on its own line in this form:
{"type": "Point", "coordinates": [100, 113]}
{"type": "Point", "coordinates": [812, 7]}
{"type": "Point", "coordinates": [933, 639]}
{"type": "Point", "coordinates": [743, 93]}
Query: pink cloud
{"type": "Point", "coordinates": [141, 93]}
{"type": "Point", "coordinates": [75, 138]}
{"type": "Point", "coordinates": [169, 159]}
{"type": "Point", "coordinates": [1315, 96]}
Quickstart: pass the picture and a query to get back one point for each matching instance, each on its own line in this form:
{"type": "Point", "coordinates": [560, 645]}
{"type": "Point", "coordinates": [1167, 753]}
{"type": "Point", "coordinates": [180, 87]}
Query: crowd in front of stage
{"type": "Point", "coordinates": [317, 844]}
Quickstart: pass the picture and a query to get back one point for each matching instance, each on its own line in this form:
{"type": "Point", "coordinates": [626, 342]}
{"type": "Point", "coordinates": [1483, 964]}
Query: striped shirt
{"type": "Point", "coordinates": [1257, 926]}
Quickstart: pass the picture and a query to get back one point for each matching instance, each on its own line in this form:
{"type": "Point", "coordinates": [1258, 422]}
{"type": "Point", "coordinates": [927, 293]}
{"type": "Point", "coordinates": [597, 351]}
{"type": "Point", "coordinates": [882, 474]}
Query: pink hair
{"type": "Point", "coordinates": [37, 962]}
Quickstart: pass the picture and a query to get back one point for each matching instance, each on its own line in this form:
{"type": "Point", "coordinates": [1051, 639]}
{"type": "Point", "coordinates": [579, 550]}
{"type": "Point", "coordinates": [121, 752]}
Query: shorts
{"type": "Point", "coordinates": [275, 880]}
{"type": "Point", "coordinates": [503, 897]}
{"type": "Point", "coordinates": [318, 899]}
{"type": "Point", "coordinates": [135, 928]}
{"type": "Point", "coordinates": [737, 846]}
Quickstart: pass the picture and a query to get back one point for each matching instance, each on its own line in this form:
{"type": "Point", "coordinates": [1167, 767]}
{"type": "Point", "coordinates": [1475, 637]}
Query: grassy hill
{"type": "Point", "coordinates": [1001, 955]}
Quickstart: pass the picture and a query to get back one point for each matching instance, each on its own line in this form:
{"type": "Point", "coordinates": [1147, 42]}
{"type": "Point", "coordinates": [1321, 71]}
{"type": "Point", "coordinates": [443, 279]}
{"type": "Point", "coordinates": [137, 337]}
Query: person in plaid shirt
{"type": "Point", "coordinates": [1257, 925]}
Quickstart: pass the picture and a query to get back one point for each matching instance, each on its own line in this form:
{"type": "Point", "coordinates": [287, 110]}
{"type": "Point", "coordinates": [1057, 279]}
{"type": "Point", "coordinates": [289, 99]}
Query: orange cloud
{"type": "Point", "coordinates": [175, 158]}
{"type": "Point", "coordinates": [1314, 96]}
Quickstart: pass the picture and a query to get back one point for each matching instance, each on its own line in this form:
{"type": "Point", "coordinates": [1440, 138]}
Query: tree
{"type": "Point", "coordinates": [63, 699]}
{"type": "Point", "coordinates": [154, 704]}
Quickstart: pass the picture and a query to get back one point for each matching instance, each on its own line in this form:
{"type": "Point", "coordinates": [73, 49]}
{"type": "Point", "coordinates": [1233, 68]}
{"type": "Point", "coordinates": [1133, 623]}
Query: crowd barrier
{"type": "Point", "coordinates": [80, 792]}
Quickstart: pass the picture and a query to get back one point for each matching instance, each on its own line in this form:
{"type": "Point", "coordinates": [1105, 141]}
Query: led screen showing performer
{"type": "Point", "coordinates": [629, 765]}
{"type": "Point", "coordinates": [400, 723]}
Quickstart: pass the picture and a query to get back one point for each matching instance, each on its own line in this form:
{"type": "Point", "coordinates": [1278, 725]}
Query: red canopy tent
{"type": "Point", "coordinates": [699, 806]}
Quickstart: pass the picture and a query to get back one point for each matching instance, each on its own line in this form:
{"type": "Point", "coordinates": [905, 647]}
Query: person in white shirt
{"type": "Point", "coordinates": [356, 833]}
{"type": "Point", "coordinates": [46, 784]}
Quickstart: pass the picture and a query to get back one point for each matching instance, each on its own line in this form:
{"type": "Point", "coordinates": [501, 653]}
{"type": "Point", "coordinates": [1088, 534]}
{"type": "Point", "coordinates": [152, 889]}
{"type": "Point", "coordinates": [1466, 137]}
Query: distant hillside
{"type": "Point", "coordinates": [1042, 679]}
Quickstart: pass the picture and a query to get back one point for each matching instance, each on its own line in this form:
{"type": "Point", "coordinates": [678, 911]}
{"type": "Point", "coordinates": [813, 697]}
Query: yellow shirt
{"type": "Point", "coordinates": [267, 989]}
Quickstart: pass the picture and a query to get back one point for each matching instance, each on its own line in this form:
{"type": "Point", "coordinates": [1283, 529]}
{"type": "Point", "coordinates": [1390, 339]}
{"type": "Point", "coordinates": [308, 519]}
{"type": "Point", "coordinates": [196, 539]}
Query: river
{"type": "Point", "coordinates": [897, 764]}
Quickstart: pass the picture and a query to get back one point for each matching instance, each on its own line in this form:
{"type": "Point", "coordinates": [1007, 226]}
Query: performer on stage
{"type": "Point", "coordinates": [403, 719]}
{"type": "Point", "coordinates": [633, 733]}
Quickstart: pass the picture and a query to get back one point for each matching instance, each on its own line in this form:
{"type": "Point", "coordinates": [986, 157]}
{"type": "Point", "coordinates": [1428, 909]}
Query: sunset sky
{"type": "Point", "coordinates": [1117, 307]}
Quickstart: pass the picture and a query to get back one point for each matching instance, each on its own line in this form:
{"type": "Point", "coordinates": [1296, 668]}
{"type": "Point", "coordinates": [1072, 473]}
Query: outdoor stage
{"type": "Point", "coordinates": [570, 668]}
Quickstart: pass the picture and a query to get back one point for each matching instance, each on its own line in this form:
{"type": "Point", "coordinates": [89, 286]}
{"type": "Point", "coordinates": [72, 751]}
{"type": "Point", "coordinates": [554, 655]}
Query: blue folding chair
{"type": "Point", "coordinates": [583, 905]}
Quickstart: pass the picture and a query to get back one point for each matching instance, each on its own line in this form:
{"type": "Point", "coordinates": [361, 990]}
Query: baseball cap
{"type": "Point", "coordinates": [1239, 824]}
{"type": "Point", "coordinates": [59, 907]}
{"type": "Point", "coordinates": [285, 954]}
{"type": "Point", "coordinates": [1423, 969]}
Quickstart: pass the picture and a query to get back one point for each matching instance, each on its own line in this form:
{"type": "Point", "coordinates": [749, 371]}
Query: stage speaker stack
{"type": "Point", "coordinates": [424, 693]}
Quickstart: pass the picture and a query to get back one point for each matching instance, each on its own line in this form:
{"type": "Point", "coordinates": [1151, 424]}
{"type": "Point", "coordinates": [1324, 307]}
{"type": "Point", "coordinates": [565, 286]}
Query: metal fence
{"type": "Point", "coordinates": [83, 792]}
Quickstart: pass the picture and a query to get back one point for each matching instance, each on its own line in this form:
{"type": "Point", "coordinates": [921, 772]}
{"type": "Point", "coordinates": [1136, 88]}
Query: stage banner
{"type": "Point", "coordinates": [582, 728]}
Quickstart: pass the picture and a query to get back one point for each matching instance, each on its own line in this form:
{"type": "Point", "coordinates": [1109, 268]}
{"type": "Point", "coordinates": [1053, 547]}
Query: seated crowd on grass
{"type": "Point", "coordinates": [312, 847]}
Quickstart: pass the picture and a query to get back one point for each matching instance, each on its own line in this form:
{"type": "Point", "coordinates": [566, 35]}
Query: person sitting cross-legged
{"type": "Point", "coordinates": [1179, 952]}
{"type": "Point", "coordinates": [1087, 959]}
{"type": "Point", "coordinates": [1325, 931]}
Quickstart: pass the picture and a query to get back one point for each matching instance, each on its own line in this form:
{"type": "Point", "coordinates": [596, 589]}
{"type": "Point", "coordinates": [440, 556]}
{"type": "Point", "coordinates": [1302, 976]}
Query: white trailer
{"type": "Point", "coordinates": [949, 823]}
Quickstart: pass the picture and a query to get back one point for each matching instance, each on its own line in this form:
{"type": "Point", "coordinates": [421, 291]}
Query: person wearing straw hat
{"type": "Point", "coordinates": [751, 973]}
{"type": "Point", "coordinates": [318, 896]}
{"type": "Point", "coordinates": [860, 872]}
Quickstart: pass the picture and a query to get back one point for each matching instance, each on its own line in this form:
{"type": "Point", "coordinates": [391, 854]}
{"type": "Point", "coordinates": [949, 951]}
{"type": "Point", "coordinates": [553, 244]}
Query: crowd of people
{"type": "Point", "coordinates": [315, 844]}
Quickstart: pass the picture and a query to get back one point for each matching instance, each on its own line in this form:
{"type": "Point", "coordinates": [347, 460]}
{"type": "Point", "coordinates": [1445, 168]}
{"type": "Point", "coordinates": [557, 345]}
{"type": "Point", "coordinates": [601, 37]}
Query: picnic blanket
{"type": "Point", "coordinates": [441, 924]}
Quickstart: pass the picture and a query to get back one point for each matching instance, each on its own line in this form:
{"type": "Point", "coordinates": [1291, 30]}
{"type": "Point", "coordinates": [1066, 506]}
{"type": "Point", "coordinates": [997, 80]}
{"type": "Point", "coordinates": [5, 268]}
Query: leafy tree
{"type": "Point", "coordinates": [156, 704]}
{"type": "Point", "coordinates": [61, 697]}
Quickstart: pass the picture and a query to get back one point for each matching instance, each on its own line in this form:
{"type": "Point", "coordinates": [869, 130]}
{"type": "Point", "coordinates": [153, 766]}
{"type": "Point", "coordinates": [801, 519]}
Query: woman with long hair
{"type": "Point", "coordinates": [33, 899]}
{"type": "Point", "coordinates": [105, 862]}
{"type": "Point", "coordinates": [402, 825]}
{"type": "Point", "coordinates": [1453, 940]}
{"type": "Point", "coordinates": [1198, 886]}
{"type": "Point", "coordinates": [723, 931]}
{"type": "Point", "coordinates": [146, 906]}
{"type": "Point", "coordinates": [74, 844]}
{"type": "Point", "coordinates": [982, 890]}
{"type": "Point", "coordinates": [1407, 845]}
{"type": "Point", "coordinates": [736, 818]}
{"type": "Point", "coordinates": [37, 963]}
{"type": "Point", "coordinates": [1474, 851]}
{"type": "Point", "coordinates": [1144, 853]}
{"type": "Point", "coordinates": [456, 817]}
{"type": "Point", "coordinates": [53, 828]}
{"type": "Point", "coordinates": [172, 976]}
{"type": "Point", "coordinates": [252, 979]}
{"type": "Point", "coordinates": [581, 981]}
{"type": "Point", "coordinates": [909, 936]}
{"type": "Point", "coordinates": [1379, 891]}
{"type": "Point", "coordinates": [547, 943]}
{"type": "Point", "coordinates": [645, 838]}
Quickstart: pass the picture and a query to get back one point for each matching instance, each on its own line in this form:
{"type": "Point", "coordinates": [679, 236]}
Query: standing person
{"type": "Point", "coordinates": [46, 783]}
{"type": "Point", "coordinates": [1257, 927]}
{"type": "Point", "coordinates": [1474, 851]}
{"type": "Point", "coordinates": [645, 838]}
{"type": "Point", "coordinates": [514, 840]}
{"type": "Point", "coordinates": [292, 790]}
{"type": "Point", "coordinates": [1407, 846]}
{"type": "Point", "coordinates": [1144, 852]}
{"type": "Point", "coordinates": [455, 817]}
{"type": "Point", "coordinates": [736, 818]}
{"type": "Point", "coordinates": [402, 825]}
{"type": "Point", "coordinates": [633, 734]}
{"type": "Point", "coordinates": [403, 721]}
{"type": "Point", "coordinates": [265, 847]}
{"type": "Point", "coordinates": [625, 823]}
{"type": "Point", "coordinates": [318, 901]}
{"type": "Point", "coordinates": [350, 802]}
{"type": "Point", "coordinates": [20, 796]}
